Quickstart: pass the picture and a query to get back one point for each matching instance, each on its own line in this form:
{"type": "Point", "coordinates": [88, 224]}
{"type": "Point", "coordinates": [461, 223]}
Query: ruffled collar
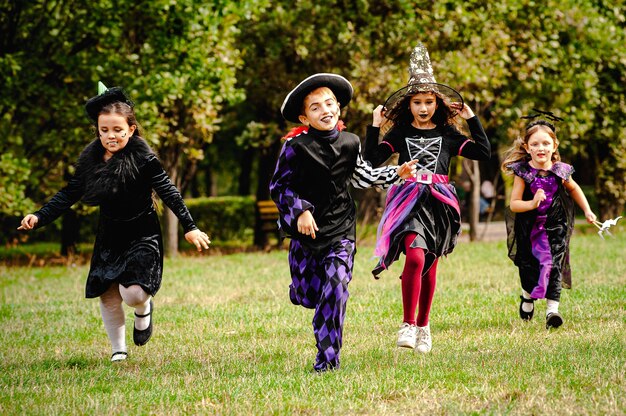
{"type": "Point", "coordinates": [105, 179]}
{"type": "Point", "coordinates": [528, 173]}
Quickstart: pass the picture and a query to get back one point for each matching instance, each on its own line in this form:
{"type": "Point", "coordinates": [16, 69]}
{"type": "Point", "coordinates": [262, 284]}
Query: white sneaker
{"type": "Point", "coordinates": [406, 336]}
{"type": "Point", "coordinates": [424, 341]}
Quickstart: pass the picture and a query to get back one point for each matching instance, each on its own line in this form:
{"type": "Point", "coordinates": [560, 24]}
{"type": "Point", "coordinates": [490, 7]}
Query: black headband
{"type": "Point", "coordinates": [539, 113]}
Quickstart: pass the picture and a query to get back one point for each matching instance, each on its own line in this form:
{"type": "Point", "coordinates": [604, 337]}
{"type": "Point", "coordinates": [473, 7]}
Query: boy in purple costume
{"type": "Point", "coordinates": [539, 231]}
{"type": "Point", "coordinates": [310, 188]}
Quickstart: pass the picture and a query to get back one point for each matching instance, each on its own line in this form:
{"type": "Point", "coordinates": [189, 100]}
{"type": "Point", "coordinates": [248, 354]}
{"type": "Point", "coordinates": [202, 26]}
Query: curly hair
{"type": "Point", "coordinates": [518, 153]}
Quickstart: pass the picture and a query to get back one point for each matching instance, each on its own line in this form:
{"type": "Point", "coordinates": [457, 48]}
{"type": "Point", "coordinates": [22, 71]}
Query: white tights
{"type": "Point", "coordinates": [113, 315]}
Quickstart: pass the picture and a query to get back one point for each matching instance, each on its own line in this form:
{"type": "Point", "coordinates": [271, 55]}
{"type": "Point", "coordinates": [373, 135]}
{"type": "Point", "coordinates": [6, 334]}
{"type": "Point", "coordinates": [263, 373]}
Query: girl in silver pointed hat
{"type": "Point", "coordinates": [422, 218]}
{"type": "Point", "coordinates": [118, 172]}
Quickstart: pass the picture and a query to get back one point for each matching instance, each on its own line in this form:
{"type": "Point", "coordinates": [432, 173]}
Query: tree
{"type": "Point", "coordinates": [176, 59]}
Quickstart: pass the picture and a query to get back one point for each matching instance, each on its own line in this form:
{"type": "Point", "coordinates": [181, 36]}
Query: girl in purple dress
{"type": "Point", "coordinates": [541, 218]}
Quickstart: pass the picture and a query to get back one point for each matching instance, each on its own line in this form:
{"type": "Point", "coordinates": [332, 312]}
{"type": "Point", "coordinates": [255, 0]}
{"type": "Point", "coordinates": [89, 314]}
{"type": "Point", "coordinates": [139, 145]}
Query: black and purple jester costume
{"type": "Point", "coordinates": [313, 173]}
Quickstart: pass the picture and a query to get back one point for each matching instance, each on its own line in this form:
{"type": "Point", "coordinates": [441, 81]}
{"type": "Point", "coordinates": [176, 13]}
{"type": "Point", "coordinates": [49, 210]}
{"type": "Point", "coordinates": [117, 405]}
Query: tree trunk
{"type": "Point", "coordinates": [69, 232]}
{"type": "Point", "coordinates": [474, 200]}
{"type": "Point", "coordinates": [170, 222]}
{"type": "Point", "coordinates": [245, 175]}
{"type": "Point", "coordinates": [267, 164]}
{"type": "Point", "coordinates": [170, 233]}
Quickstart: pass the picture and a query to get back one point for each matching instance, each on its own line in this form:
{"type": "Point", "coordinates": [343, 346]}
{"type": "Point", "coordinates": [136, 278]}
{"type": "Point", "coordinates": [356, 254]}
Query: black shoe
{"type": "Point", "coordinates": [140, 337]}
{"type": "Point", "coordinates": [553, 320]}
{"type": "Point", "coordinates": [526, 316]}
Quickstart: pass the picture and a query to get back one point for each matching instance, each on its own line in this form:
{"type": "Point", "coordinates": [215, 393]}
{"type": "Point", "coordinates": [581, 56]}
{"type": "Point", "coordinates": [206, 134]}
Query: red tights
{"type": "Point", "coordinates": [418, 283]}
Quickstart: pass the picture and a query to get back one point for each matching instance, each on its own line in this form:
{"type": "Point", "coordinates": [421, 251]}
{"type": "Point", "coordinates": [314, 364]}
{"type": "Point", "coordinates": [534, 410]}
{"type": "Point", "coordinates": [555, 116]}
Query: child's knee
{"type": "Point", "coordinates": [134, 295]}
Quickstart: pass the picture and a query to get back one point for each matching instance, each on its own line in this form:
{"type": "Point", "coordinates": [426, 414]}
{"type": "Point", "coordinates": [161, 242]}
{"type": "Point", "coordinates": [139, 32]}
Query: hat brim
{"type": "Point", "coordinates": [94, 105]}
{"type": "Point", "coordinates": [448, 94]}
{"type": "Point", "coordinates": [292, 105]}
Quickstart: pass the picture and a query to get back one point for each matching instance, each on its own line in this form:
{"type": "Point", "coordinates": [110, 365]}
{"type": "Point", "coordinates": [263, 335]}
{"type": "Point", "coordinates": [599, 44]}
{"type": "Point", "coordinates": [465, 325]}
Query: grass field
{"type": "Point", "coordinates": [228, 341]}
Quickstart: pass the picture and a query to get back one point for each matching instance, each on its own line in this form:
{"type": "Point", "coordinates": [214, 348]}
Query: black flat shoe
{"type": "Point", "coordinates": [140, 337]}
{"type": "Point", "coordinates": [526, 316]}
{"type": "Point", "coordinates": [553, 320]}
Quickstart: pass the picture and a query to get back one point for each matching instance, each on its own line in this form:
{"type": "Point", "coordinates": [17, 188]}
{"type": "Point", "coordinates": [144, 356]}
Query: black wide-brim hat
{"type": "Point", "coordinates": [292, 106]}
{"type": "Point", "coordinates": [448, 94]}
{"type": "Point", "coordinates": [94, 105]}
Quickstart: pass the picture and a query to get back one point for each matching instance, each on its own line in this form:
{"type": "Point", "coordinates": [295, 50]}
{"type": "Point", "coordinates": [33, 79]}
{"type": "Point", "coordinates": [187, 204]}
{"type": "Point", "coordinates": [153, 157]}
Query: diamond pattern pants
{"type": "Point", "coordinates": [319, 280]}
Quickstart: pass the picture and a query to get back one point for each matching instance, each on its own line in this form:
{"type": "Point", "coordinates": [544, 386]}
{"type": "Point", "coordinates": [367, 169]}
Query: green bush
{"type": "Point", "coordinates": [224, 218]}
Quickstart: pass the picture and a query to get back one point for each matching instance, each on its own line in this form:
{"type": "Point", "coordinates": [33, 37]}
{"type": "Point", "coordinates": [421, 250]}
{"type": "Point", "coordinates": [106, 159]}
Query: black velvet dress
{"type": "Point", "coordinates": [129, 246]}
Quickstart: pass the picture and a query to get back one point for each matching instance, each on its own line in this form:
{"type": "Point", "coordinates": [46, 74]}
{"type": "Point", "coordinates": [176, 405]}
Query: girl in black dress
{"type": "Point", "coordinates": [118, 172]}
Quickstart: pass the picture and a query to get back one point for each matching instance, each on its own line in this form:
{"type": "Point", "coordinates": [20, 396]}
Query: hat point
{"type": "Point", "coordinates": [101, 88]}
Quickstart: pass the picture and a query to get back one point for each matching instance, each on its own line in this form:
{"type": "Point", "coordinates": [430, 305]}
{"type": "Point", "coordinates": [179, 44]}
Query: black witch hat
{"type": "Point", "coordinates": [105, 97]}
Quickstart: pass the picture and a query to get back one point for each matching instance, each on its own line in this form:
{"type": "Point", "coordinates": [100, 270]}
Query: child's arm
{"type": "Point", "coordinates": [365, 176]}
{"type": "Point", "coordinates": [374, 152]}
{"type": "Point", "coordinates": [517, 204]}
{"type": "Point", "coordinates": [169, 194]}
{"type": "Point", "coordinates": [57, 205]}
{"type": "Point", "coordinates": [289, 203]}
{"type": "Point", "coordinates": [579, 197]}
{"type": "Point", "coordinates": [479, 147]}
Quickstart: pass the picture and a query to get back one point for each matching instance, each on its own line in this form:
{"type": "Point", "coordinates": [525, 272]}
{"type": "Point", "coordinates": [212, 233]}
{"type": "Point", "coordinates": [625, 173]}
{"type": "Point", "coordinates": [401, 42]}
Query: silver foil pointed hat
{"type": "Point", "coordinates": [420, 68]}
{"type": "Point", "coordinates": [422, 80]}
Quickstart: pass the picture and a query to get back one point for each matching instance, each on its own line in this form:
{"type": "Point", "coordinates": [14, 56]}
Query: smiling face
{"type": "Point", "coordinates": [541, 145]}
{"type": "Point", "coordinates": [114, 132]}
{"type": "Point", "coordinates": [423, 106]}
{"type": "Point", "coordinates": [321, 110]}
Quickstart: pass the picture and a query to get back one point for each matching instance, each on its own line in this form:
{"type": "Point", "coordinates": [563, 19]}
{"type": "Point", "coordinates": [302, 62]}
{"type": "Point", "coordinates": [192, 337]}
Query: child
{"type": "Point", "coordinates": [118, 171]}
{"type": "Point", "coordinates": [540, 229]}
{"type": "Point", "coordinates": [422, 217]}
{"type": "Point", "coordinates": [310, 189]}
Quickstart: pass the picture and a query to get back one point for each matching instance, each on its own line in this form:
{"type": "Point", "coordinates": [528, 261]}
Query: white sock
{"type": "Point", "coordinates": [552, 306]}
{"type": "Point", "coordinates": [135, 297]}
{"type": "Point", "coordinates": [142, 323]}
{"type": "Point", "coordinates": [114, 323]}
{"type": "Point", "coordinates": [527, 306]}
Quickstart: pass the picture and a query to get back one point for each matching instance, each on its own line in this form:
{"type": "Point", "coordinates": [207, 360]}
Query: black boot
{"type": "Point", "coordinates": [526, 316]}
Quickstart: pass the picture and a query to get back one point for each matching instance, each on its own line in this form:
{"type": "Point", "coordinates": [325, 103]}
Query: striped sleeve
{"type": "Point", "coordinates": [365, 176]}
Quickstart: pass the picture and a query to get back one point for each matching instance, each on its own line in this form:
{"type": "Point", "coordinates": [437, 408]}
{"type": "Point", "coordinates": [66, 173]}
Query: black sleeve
{"type": "Point", "coordinates": [61, 202]}
{"type": "Point", "coordinates": [479, 147]}
{"type": "Point", "coordinates": [374, 152]}
{"type": "Point", "coordinates": [166, 190]}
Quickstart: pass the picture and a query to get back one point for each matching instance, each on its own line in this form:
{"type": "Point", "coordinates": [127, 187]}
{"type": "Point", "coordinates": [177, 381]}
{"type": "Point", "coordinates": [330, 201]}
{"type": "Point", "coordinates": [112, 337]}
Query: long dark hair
{"type": "Point", "coordinates": [400, 114]}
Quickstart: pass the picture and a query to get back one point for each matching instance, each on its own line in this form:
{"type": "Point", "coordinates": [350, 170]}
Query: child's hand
{"type": "Point", "coordinates": [198, 239]}
{"type": "Point", "coordinates": [407, 169]}
{"type": "Point", "coordinates": [539, 197]}
{"type": "Point", "coordinates": [306, 224]}
{"type": "Point", "coordinates": [28, 222]}
{"type": "Point", "coordinates": [378, 116]}
{"type": "Point", "coordinates": [463, 110]}
{"type": "Point", "coordinates": [591, 217]}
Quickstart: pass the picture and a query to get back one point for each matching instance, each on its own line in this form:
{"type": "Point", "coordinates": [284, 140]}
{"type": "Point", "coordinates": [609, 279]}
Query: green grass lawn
{"type": "Point", "coordinates": [228, 341]}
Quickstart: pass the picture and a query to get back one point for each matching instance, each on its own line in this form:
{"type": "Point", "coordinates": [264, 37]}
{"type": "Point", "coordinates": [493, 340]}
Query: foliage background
{"type": "Point", "coordinates": [209, 77]}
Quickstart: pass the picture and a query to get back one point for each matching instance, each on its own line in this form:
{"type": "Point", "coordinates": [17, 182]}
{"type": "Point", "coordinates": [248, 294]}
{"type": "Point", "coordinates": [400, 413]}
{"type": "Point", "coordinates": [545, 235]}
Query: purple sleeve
{"type": "Point", "coordinates": [289, 203]}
